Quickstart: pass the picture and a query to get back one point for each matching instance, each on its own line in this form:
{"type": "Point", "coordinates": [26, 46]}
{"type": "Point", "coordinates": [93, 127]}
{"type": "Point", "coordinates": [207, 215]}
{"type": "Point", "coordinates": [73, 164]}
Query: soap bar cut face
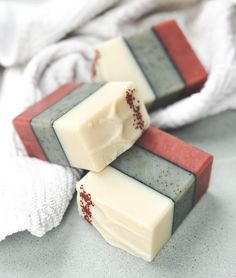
{"type": "Point", "coordinates": [177, 173]}
{"type": "Point", "coordinates": [89, 126]}
{"type": "Point", "coordinates": [160, 61]}
{"type": "Point", "coordinates": [128, 214]}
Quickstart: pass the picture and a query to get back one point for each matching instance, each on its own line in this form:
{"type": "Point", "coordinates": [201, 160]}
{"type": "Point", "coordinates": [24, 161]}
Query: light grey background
{"type": "Point", "coordinates": [203, 246]}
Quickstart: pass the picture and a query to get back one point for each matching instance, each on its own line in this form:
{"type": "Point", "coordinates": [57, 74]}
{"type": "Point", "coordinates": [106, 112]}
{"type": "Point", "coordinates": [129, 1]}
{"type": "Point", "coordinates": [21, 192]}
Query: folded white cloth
{"type": "Point", "coordinates": [35, 196]}
{"type": "Point", "coordinates": [42, 48]}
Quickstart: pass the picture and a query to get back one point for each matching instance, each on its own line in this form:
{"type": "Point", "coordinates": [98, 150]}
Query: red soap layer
{"type": "Point", "coordinates": [22, 121]}
{"type": "Point", "coordinates": [182, 55]}
{"type": "Point", "coordinates": [180, 153]}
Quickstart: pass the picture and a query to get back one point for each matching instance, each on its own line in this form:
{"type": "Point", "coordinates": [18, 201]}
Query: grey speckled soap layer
{"type": "Point", "coordinates": [161, 175]}
{"type": "Point", "coordinates": [43, 123]}
{"type": "Point", "coordinates": [155, 64]}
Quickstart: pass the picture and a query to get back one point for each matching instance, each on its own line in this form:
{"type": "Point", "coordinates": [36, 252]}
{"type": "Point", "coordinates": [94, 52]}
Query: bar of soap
{"type": "Point", "coordinates": [160, 61]}
{"type": "Point", "coordinates": [128, 214]}
{"type": "Point", "coordinates": [84, 126]}
{"type": "Point", "coordinates": [140, 200]}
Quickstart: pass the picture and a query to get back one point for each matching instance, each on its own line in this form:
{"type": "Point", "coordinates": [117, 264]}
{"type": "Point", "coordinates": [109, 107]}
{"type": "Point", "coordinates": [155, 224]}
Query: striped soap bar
{"type": "Point", "coordinates": [140, 200]}
{"type": "Point", "coordinates": [160, 61]}
{"type": "Point", "coordinates": [83, 126]}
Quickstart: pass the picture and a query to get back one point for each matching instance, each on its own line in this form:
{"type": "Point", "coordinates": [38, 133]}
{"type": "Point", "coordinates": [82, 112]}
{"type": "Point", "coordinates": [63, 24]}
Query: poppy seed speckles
{"type": "Point", "coordinates": [85, 204]}
{"type": "Point", "coordinates": [134, 105]}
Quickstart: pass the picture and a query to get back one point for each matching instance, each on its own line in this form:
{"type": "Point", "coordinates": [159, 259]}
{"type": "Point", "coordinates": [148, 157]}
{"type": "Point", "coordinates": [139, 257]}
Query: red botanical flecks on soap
{"type": "Point", "coordinates": [85, 204]}
{"type": "Point", "coordinates": [134, 105]}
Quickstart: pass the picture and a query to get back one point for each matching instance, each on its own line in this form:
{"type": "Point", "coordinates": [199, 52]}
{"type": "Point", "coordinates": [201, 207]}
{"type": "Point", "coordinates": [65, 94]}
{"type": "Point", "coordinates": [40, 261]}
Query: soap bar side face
{"type": "Point", "coordinates": [43, 123]}
{"type": "Point", "coordinates": [128, 214]}
{"type": "Point", "coordinates": [202, 183]}
{"type": "Point", "coordinates": [114, 62]}
{"type": "Point", "coordinates": [22, 121]}
{"type": "Point", "coordinates": [155, 64]}
{"type": "Point", "coordinates": [162, 176]}
{"type": "Point", "coordinates": [118, 120]}
{"type": "Point", "coordinates": [180, 153]}
{"type": "Point", "coordinates": [182, 54]}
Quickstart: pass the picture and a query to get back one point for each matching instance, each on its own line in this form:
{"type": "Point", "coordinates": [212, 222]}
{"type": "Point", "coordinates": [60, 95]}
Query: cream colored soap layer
{"type": "Point", "coordinates": [100, 128]}
{"type": "Point", "coordinates": [116, 63]}
{"type": "Point", "coordinates": [128, 214]}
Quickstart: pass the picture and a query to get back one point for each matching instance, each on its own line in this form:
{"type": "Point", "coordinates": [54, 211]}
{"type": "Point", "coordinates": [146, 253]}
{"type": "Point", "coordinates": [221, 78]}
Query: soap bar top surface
{"type": "Point", "coordinates": [155, 63]}
{"type": "Point", "coordinates": [128, 214]}
{"type": "Point", "coordinates": [160, 61]}
{"type": "Point", "coordinates": [89, 126]}
{"type": "Point", "coordinates": [180, 153]}
{"type": "Point", "coordinates": [182, 54]}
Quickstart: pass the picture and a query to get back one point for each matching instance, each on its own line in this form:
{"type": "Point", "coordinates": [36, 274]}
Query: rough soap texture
{"type": "Point", "coordinates": [103, 126]}
{"type": "Point", "coordinates": [128, 214]}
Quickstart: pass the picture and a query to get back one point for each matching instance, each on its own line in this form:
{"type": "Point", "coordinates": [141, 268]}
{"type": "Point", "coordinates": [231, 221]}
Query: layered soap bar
{"type": "Point", "coordinates": [139, 201]}
{"type": "Point", "coordinates": [160, 61]}
{"type": "Point", "coordinates": [84, 126]}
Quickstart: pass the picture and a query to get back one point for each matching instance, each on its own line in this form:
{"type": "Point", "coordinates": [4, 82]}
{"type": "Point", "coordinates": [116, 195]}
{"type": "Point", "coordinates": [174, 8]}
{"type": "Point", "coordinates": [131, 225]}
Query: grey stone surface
{"type": "Point", "coordinates": [162, 176]}
{"type": "Point", "coordinates": [43, 123]}
{"type": "Point", "coordinates": [155, 64]}
{"type": "Point", "coordinates": [203, 246]}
